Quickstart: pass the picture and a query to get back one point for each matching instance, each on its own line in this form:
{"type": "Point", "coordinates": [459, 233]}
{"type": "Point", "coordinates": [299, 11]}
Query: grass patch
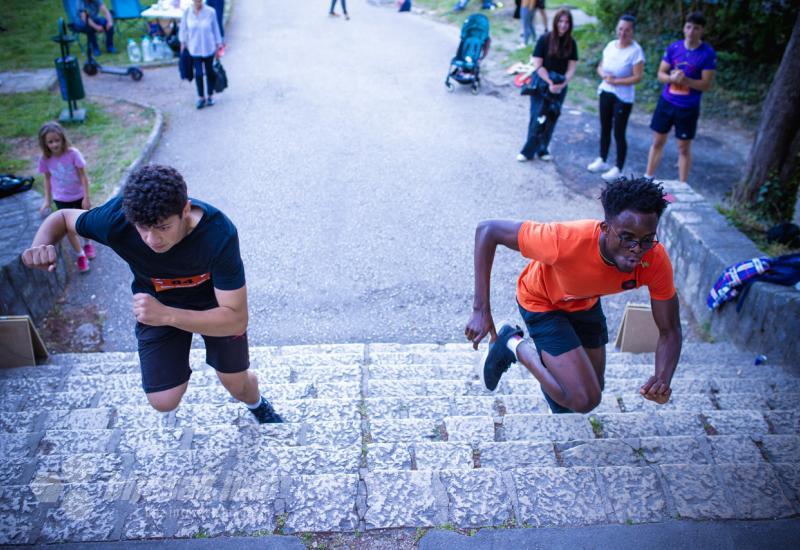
{"type": "Point", "coordinates": [110, 139]}
{"type": "Point", "coordinates": [30, 24]}
{"type": "Point", "coordinates": [755, 229]}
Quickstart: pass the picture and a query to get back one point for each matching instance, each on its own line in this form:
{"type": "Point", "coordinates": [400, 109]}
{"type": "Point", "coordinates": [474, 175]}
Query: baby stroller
{"type": "Point", "coordinates": [465, 67]}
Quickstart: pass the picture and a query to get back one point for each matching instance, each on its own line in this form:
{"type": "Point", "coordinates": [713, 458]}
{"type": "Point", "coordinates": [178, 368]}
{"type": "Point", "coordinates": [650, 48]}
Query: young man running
{"type": "Point", "coordinates": [558, 293]}
{"type": "Point", "coordinates": [686, 70]}
{"type": "Point", "coordinates": [188, 277]}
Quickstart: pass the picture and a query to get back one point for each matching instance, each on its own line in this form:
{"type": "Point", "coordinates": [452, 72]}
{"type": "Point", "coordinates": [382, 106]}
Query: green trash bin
{"type": "Point", "coordinates": [69, 78]}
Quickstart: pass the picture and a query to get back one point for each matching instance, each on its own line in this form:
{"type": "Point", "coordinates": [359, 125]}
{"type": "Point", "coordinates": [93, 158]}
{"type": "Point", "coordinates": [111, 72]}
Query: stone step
{"type": "Point", "coordinates": [251, 500]}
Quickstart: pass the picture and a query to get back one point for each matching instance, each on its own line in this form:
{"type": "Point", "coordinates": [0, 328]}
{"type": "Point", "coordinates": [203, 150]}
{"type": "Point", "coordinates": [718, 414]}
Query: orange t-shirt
{"type": "Point", "coordinates": [567, 272]}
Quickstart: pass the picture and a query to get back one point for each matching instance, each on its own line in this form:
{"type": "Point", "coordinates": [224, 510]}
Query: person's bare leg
{"type": "Point", "coordinates": [243, 386]}
{"type": "Point", "coordinates": [570, 379]}
{"type": "Point", "coordinates": [656, 152]}
{"type": "Point", "coordinates": [167, 400]}
{"type": "Point", "coordinates": [684, 159]}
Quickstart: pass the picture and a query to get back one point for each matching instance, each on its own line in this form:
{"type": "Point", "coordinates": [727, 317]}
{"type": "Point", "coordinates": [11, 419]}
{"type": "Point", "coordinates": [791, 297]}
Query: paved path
{"type": "Point", "coordinates": [355, 180]}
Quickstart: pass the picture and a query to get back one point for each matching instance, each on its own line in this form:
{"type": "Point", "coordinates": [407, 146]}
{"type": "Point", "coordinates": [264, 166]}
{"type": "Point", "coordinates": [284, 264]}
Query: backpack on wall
{"type": "Point", "coordinates": [10, 184]}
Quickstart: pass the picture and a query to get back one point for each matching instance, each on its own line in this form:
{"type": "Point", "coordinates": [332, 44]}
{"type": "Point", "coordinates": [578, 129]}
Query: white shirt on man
{"type": "Point", "coordinates": [618, 62]}
{"type": "Point", "coordinates": [199, 32]}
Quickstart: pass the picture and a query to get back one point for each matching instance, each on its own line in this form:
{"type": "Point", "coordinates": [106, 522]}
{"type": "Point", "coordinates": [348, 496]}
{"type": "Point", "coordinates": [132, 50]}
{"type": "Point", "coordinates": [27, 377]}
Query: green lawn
{"type": "Point", "coordinates": [110, 139]}
{"type": "Point", "coordinates": [29, 25]}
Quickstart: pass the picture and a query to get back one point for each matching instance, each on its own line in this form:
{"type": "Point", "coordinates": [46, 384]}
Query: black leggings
{"type": "Point", "coordinates": [201, 63]}
{"type": "Point", "coordinates": [614, 112]}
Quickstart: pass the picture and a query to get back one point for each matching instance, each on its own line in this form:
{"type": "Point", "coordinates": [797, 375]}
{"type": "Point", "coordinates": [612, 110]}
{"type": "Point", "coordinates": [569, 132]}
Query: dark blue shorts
{"type": "Point", "coordinates": [558, 332]}
{"type": "Point", "coordinates": [683, 118]}
{"type": "Point", "coordinates": [164, 355]}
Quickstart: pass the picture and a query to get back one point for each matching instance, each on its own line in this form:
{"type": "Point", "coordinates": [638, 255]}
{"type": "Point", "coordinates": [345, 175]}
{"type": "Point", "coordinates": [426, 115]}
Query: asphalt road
{"type": "Point", "coordinates": [355, 179]}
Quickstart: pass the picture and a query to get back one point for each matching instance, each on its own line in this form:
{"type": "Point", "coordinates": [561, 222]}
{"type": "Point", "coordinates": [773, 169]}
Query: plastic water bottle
{"type": "Point", "coordinates": [134, 51]}
{"type": "Point", "coordinates": [158, 48]}
{"type": "Point", "coordinates": [147, 49]}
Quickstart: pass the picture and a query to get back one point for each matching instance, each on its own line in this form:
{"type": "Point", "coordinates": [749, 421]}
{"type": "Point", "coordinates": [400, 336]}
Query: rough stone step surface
{"type": "Point", "coordinates": [387, 435]}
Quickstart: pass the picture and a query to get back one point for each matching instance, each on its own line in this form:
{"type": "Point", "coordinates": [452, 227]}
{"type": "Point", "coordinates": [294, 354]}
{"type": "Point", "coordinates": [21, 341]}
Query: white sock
{"type": "Point", "coordinates": [513, 343]}
{"type": "Point", "coordinates": [255, 405]}
{"type": "Point", "coordinates": [648, 176]}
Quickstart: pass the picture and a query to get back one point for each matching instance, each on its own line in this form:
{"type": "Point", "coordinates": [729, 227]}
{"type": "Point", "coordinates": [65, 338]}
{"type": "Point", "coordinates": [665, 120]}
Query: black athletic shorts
{"type": "Point", "coordinates": [61, 205]}
{"type": "Point", "coordinates": [683, 118]}
{"type": "Point", "coordinates": [558, 332]}
{"type": "Point", "coordinates": [164, 355]}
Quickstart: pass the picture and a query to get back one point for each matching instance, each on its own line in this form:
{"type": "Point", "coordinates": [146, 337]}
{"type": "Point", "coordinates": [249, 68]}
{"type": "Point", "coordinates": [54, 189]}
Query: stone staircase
{"type": "Point", "coordinates": [386, 436]}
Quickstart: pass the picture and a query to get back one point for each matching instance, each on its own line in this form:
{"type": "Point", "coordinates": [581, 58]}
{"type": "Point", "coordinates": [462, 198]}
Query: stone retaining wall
{"type": "Point", "coordinates": [701, 244]}
{"type": "Point", "coordinates": [26, 291]}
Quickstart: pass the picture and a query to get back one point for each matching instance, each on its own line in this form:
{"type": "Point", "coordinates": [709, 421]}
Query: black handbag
{"type": "Point", "coordinates": [538, 85]}
{"type": "Point", "coordinates": [220, 78]}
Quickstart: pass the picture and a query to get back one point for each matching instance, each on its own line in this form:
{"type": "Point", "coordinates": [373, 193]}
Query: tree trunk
{"type": "Point", "coordinates": [777, 142]}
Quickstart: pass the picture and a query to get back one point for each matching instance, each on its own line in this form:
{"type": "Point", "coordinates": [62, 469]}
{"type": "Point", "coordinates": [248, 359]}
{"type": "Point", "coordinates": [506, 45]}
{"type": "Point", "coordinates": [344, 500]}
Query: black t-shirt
{"type": "Point", "coordinates": [186, 275]}
{"type": "Point", "coordinates": [551, 62]}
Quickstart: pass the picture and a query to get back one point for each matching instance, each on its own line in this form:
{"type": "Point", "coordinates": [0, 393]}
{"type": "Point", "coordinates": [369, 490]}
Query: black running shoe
{"type": "Point", "coordinates": [499, 357]}
{"type": "Point", "coordinates": [265, 414]}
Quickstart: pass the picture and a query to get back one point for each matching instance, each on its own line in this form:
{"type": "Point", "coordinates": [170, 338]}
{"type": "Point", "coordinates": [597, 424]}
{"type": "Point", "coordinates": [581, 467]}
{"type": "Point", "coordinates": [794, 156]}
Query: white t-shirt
{"type": "Point", "coordinates": [619, 64]}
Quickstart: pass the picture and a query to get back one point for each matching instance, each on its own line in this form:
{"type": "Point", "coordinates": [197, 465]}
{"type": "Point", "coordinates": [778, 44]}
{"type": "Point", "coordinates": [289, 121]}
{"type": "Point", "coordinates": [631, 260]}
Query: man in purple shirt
{"type": "Point", "coordinates": [686, 70]}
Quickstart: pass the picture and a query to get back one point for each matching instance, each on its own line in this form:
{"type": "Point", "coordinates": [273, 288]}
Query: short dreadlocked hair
{"type": "Point", "coordinates": [153, 193]}
{"type": "Point", "coordinates": [639, 195]}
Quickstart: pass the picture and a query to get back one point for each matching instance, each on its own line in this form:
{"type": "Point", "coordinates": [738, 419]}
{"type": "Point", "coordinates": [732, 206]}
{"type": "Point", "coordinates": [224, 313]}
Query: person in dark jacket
{"type": "Point", "coordinates": [555, 56]}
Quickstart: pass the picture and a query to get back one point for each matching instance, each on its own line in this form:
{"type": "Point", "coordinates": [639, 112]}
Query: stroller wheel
{"type": "Point", "coordinates": [450, 86]}
{"type": "Point", "coordinates": [475, 89]}
{"type": "Point", "coordinates": [135, 73]}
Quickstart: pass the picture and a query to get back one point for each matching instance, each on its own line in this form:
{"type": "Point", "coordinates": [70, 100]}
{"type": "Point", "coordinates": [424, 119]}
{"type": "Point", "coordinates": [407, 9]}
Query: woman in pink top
{"type": "Point", "coordinates": [65, 183]}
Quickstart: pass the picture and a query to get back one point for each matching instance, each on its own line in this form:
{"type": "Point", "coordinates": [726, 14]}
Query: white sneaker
{"type": "Point", "coordinates": [547, 157]}
{"type": "Point", "coordinates": [597, 165]}
{"type": "Point", "coordinates": [612, 174]}
{"type": "Point", "coordinates": [522, 158]}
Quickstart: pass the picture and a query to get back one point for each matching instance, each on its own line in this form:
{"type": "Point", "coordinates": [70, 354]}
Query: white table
{"type": "Point", "coordinates": [166, 10]}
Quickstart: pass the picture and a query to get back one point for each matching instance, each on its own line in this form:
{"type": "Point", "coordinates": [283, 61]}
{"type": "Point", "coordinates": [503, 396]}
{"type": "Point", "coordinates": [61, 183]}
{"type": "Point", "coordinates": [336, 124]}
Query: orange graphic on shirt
{"type": "Point", "coordinates": [179, 282]}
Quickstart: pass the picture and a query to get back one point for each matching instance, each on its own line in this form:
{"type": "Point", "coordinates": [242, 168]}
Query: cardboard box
{"type": "Point", "coordinates": [20, 343]}
{"type": "Point", "coordinates": [638, 332]}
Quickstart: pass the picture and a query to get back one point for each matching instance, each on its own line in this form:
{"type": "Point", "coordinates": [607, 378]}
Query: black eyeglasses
{"type": "Point", "coordinates": [630, 244]}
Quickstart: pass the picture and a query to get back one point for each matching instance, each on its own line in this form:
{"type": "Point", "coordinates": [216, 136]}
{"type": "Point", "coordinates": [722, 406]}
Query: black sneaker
{"type": "Point", "coordinates": [499, 357]}
{"type": "Point", "coordinates": [265, 414]}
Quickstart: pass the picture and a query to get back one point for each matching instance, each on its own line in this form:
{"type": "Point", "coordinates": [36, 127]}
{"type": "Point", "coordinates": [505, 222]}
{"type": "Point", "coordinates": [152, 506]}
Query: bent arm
{"type": "Point", "coordinates": [663, 72]}
{"type": "Point", "coordinates": [571, 68]}
{"type": "Point", "coordinates": [635, 78]}
{"type": "Point", "coordinates": [42, 253]}
{"type": "Point", "coordinates": [666, 314]}
{"type": "Point", "coordinates": [703, 84]}
{"type": "Point", "coordinates": [488, 235]}
{"type": "Point", "coordinates": [229, 318]}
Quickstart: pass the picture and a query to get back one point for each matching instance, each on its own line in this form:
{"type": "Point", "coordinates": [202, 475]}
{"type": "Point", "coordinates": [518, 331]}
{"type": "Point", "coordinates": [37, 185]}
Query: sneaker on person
{"type": "Point", "coordinates": [597, 165]}
{"type": "Point", "coordinates": [96, 51]}
{"type": "Point", "coordinates": [522, 46]}
{"type": "Point", "coordinates": [546, 156]}
{"type": "Point", "coordinates": [112, 50]}
{"type": "Point", "coordinates": [612, 174]}
{"type": "Point", "coordinates": [210, 102]}
{"type": "Point", "coordinates": [83, 264]}
{"type": "Point", "coordinates": [200, 103]}
{"type": "Point", "coordinates": [498, 358]}
{"type": "Point", "coordinates": [522, 158]}
{"type": "Point", "coordinates": [265, 414]}
{"type": "Point", "coordinates": [89, 250]}
{"type": "Point", "coordinates": [333, 14]}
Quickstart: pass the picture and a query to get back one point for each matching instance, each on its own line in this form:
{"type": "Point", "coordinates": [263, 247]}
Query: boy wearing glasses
{"type": "Point", "coordinates": [572, 265]}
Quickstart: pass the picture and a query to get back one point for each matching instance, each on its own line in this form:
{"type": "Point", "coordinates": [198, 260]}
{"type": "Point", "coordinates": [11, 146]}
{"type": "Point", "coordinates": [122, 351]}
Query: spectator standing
{"type": "Point", "coordinates": [526, 18]}
{"type": "Point", "coordinates": [94, 17]}
{"type": "Point", "coordinates": [219, 7]}
{"type": "Point", "coordinates": [332, 13]}
{"type": "Point", "coordinates": [200, 35]}
{"type": "Point", "coordinates": [65, 183]}
{"type": "Point", "coordinates": [686, 70]}
{"type": "Point", "coordinates": [621, 68]}
{"type": "Point", "coordinates": [554, 58]}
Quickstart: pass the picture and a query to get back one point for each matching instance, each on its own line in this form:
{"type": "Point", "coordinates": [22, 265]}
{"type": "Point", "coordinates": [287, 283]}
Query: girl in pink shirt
{"type": "Point", "coordinates": [65, 183]}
